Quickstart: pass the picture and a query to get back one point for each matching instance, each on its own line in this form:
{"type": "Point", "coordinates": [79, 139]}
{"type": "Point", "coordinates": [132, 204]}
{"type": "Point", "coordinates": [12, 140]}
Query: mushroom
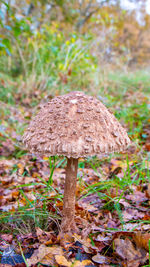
{"type": "Point", "coordinates": [74, 125]}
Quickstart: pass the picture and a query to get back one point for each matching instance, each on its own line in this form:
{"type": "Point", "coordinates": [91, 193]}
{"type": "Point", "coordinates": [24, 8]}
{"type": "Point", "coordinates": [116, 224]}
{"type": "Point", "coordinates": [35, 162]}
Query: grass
{"type": "Point", "coordinates": [28, 217]}
{"type": "Point", "coordinates": [134, 79]}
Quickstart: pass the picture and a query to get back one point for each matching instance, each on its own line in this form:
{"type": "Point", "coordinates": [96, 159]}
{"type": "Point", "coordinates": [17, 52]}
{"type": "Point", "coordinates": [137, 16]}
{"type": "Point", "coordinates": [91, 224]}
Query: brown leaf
{"type": "Point", "coordinates": [137, 196]}
{"type": "Point", "coordinates": [87, 207]}
{"type": "Point", "coordinates": [142, 240]}
{"type": "Point", "coordinates": [43, 254]}
{"type": "Point", "coordinates": [130, 214]}
{"type": "Point", "coordinates": [38, 255]}
{"type": "Point", "coordinates": [49, 260]}
{"type": "Point", "coordinates": [43, 236]}
{"type": "Point", "coordinates": [65, 239]}
{"type": "Point", "coordinates": [126, 251]}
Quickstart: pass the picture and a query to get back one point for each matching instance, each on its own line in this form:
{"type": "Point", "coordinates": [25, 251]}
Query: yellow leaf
{"type": "Point", "coordinates": [48, 260]}
{"type": "Point", "coordinates": [82, 263]}
{"type": "Point", "coordinates": [61, 260]}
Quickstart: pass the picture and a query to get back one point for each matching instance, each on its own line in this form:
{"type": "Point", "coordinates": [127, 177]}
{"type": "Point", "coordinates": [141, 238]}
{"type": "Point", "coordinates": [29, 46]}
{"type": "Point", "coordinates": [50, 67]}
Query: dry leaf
{"type": "Point", "coordinates": [137, 196]}
{"type": "Point", "coordinates": [49, 260]}
{"type": "Point", "coordinates": [142, 240]}
{"type": "Point", "coordinates": [43, 236]}
{"type": "Point", "coordinates": [38, 255]}
{"type": "Point", "coordinates": [100, 259]}
{"type": "Point", "coordinates": [87, 206]}
{"type": "Point", "coordinates": [126, 251]}
{"type": "Point", "coordinates": [102, 238]}
{"type": "Point", "coordinates": [130, 214]}
{"type": "Point", "coordinates": [83, 263]}
{"type": "Point", "coordinates": [65, 239]}
{"type": "Point", "coordinates": [42, 252]}
{"type": "Point", "coordinates": [61, 260]}
{"type": "Point", "coordinates": [86, 242]}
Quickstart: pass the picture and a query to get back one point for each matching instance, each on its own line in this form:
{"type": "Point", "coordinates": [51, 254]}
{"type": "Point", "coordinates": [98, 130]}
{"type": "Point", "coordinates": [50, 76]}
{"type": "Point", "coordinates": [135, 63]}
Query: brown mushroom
{"type": "Point", "coordinates": [74, 125]}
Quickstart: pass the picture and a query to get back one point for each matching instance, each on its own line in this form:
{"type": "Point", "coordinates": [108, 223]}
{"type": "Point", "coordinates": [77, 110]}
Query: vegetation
{"type": "Point", "coordinates": [49, 48]}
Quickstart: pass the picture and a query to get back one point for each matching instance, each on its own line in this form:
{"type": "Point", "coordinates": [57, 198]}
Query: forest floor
{"type": "Point", "coordinates": [113, 194]}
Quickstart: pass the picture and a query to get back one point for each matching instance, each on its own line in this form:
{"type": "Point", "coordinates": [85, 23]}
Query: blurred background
{"type": "Point", "coordinates": [59, 45]}
{"type": "Point", "coordinates": [51, 47]}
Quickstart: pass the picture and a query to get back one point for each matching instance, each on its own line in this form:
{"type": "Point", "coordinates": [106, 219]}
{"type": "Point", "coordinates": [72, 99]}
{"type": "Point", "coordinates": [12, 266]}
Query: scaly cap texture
{"type": "Point", "coordinates": [75, 125]}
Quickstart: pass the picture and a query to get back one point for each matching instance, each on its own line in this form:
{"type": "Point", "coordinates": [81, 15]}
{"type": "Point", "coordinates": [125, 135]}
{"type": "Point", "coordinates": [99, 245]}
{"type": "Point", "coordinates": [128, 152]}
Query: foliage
{"type": "Point", "coordinates": [117, 40]}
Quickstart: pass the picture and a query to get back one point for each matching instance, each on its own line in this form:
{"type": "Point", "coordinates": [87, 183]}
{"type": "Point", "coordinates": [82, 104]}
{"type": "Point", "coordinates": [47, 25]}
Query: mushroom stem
{"type": "Point", "coordinates": [68, 223]}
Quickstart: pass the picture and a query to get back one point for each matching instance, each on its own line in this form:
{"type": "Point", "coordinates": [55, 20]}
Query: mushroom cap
{"type": "Point", "coordinates": [75, 125]}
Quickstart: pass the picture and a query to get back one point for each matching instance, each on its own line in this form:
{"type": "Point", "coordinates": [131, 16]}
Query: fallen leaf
{"type": "Point", "coordinates": [65, 239]}
{"type": "Point", "coordinates": [130, 214]}
{"type": "Point", "coordinates": [100, 259]}
{"type": "Point", "coordinates": [126, 251]}
{"type": "Point", "coordinates": [61, 260]}
{"type": "Point", "coordinates": [87, 207]}
{"type": "Point", "coordinates": [42, 252]}
{"type": "Point", "coordinates": [102, 238]}
{"type": "Point", "coordinates": [83, 263]}
{"type": "Point", "coordinates": [85, 242]}
{"type": "Point", "coordinates": [142, 240]}
{"type": "Point", "coordinates": [49, 260]}
{"type": "Point", "coordinates": [43, 236]}
{"type": "Point", "coordinates": [137, 196]}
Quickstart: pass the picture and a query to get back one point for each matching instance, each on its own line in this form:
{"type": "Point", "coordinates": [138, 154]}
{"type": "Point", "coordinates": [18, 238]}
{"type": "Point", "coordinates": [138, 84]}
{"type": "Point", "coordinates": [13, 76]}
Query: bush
{"type": "Point", "coordinates": [48, 59]}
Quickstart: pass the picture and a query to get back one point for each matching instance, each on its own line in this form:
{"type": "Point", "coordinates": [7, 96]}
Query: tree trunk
{"type": "Point", "coordinates": [68, 223]}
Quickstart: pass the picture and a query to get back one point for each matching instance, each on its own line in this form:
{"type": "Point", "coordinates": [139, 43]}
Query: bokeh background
{"type": "Point", "coordinates": [67, 45]}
